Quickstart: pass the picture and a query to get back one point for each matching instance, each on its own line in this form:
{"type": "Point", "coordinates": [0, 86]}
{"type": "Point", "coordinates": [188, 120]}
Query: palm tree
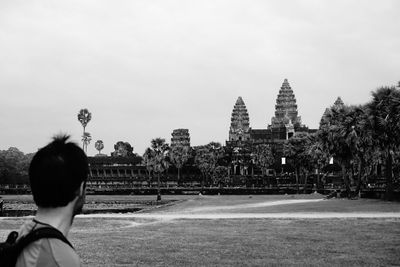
{"type": "Point", "coordinates": [346, 134]}
{"type": "Point", "coordinates": [384, 111]}
{"type": "Point", "coordinates": [338, 138]}
{"type": "Point", "coordinates": [86, 138]}
{"type": "Point", "coordinates": [84, 116]}
{"type": "Point", "coordinates": [99, 145]}
{"type": "Point", "coordinates": [179, 155]}
{"type": "Point", "coordinates": [159, 160]}
{"type": "Point", "coordinates": [358, 129]}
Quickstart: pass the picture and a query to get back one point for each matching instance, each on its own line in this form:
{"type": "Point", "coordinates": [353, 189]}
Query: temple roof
{"type": "Point", "coordinates": [240, 101]}
{"type": "Point", "coordinates": [239, 114]}
{"type": "Point", "coordinates": [285, 84]}
{"type": "Point", "coordinates": [240, 124]}
{"type": "Point", "coordinates": [286, 107]}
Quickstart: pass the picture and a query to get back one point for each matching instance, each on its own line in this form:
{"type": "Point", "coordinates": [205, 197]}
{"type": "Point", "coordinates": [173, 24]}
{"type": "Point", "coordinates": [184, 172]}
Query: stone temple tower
{"type": "Point", "coordinates": [240, 126]}
{"type": "Point", "coordinates": [285, 108]}
{"type": "Point", "coordinates": [180, 137]}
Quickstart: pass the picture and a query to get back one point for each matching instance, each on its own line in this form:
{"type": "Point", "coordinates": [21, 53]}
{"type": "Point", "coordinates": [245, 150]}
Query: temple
{"type": "Point", "coordinates": [239, 147]}
{"type": "Point", "coordinates": [284, 125]}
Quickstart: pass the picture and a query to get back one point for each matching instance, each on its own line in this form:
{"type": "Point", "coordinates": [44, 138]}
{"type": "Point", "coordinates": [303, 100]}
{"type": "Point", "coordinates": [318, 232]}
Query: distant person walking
{"type": "Point", "coordinates": [57, 174]}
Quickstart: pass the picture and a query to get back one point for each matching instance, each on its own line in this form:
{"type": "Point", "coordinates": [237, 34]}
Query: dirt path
{"type": "Point", "coordinates": [296, 215]}
{"type": "Point", "coordinates": [227, 212]}
{"type": "Point", "coordinates": [254, 205]}
{"type": "Point", "coordinates": [235, 211]}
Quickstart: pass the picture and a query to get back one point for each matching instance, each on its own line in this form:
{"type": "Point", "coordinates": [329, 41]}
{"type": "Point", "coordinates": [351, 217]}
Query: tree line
{"type": "Point", "coordinates": [14, 166]}
{"type": "Point", "coordinates": [361, 137]}
{"type": "Point", "coordinates": [358, 137]}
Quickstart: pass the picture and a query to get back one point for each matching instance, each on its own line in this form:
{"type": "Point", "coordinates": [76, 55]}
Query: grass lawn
{"type": "Point", "coordinates": [238, 242]}
{"type": "Point", "coordinates": [241, 242]}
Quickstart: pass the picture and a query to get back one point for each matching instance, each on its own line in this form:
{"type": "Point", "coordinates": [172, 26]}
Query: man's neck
{"type": "Point", "coordinates": [60, 218]}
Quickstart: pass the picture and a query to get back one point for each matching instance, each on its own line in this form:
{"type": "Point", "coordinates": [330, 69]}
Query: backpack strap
{"type": "Point", "coordinates": [44, 232]}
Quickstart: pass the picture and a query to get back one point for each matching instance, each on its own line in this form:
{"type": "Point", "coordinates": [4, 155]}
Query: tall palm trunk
{"type": "Point", "coordinates": [389, 176]}
{"type": "Point", "coordinates": [148, 178]}
{"type": "Point", "coordinates": [360, 176]}
{"type": "Point", "coordinates": [83, 141]}
{"type": "Point", "coordinates": [158, 187]}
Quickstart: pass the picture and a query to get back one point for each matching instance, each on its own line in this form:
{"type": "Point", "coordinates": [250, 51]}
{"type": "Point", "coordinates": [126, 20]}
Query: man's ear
{"type": "Point", "coordinates": [82, 188]}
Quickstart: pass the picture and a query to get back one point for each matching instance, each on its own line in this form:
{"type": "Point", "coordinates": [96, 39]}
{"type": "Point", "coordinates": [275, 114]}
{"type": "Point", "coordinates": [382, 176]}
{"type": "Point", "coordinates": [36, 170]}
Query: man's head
{"type": "Point", "coordinates": [58, 174]}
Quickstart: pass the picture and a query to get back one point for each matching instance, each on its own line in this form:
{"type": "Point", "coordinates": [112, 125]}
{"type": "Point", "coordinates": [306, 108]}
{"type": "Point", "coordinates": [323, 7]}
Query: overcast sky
{"type": "Point", "coordinates": [144, 68]}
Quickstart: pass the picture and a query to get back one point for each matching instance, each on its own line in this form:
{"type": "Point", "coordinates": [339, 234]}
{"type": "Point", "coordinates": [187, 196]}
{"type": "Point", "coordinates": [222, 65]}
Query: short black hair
{"type": "Point", "coordinates": [57, 171]}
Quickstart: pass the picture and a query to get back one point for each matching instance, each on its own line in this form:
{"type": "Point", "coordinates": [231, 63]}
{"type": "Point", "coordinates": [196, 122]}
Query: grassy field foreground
{"type": "Point", "coordinates": [238, 242]}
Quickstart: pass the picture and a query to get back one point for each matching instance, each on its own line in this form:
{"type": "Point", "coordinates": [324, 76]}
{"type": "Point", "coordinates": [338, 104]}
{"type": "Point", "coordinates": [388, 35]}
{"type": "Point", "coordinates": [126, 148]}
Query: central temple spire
{"type": "Point", "coordinates": [240, 126]}
{"type": "Point", "coordinates": [286, 108]}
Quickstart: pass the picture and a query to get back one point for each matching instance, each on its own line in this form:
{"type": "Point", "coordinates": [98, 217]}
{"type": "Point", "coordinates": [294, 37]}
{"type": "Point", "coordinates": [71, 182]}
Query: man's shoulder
{"type": "Point", "coordinates": [62, 253]}
{"type": "Point", "coordinates": [48, 252]}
